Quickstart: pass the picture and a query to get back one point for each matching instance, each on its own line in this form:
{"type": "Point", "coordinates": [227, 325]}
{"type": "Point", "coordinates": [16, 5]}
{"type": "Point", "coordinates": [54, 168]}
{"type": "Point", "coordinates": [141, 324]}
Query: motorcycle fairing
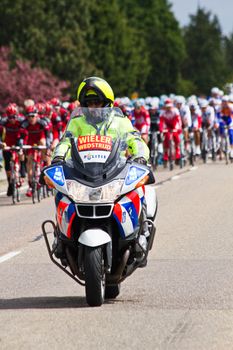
{"type": "Point", "coordinates": [56, 175]}
{"type": "Point", "coordinates": [128, 210]}
{"type": "Point", "coordinates": [65, 214]}
{"type": "Point", "coordinates": [94, 237]}
{"type": "Point", "coordinates": [135, 174]}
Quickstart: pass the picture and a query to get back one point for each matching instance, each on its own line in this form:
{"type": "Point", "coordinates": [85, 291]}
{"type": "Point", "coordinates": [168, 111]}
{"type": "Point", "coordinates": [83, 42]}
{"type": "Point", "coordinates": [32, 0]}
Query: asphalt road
{"type": "Point", "coordinates": [183, 299]}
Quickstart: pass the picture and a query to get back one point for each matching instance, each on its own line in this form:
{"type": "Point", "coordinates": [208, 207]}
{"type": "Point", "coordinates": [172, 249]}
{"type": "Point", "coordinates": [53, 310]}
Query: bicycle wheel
{"type": "Point", "coordinates": [191, 154]}
{"type": "Point", "coordinates": [38, 191]}
{"type": "Point", "coordinates": [204, 147]}
{"type": "Point", "coordinates": [213, 148]}
{"type": "Point", "coordinates": [154, 151]}
{"type": "Point", "coordinates": [14, 193]}
{"type": "Point", "coordinates": [226, 150]}
{"type": "Point", "coordinates": [13, 183]}
{"type": "Point", "coordinates": [34, 183]}
{"type": "Point", "coordinates": [17, 195]}
{"type": "Point", "coordinates": [44, 191]}
{"type": "Point", "coordinates": [170, 156]}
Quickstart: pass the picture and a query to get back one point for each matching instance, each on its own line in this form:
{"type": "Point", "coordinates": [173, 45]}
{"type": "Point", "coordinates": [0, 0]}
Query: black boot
{"type": "Point", "coordinates": [9, 190]}
{"type": "Point", "coordinates": [22, 169]}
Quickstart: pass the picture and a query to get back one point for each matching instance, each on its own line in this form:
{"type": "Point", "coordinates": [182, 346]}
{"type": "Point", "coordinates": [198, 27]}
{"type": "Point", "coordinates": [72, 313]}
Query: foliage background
{"type": "Point", "coordinates": [136, 45]}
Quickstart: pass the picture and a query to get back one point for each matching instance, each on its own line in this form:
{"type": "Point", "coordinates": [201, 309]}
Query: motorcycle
{"type": "Point", "coordinates": [103, 203]}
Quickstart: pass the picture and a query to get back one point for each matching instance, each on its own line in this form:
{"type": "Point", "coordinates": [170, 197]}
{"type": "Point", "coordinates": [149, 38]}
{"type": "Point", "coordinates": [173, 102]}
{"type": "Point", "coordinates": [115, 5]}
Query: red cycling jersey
{"type": "Point", "coordinates": [170, 119]}
{"type": "Point", "coordinates": [142, 120]}
{"type": "Point", "coordinates": [10, 132]}
{"type": "Point", "coordinates": [34, 133]}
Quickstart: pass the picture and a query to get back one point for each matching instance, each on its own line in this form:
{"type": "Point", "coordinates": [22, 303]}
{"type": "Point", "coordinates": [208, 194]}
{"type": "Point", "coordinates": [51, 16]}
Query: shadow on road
{"type": "Point", "coordinates": [54, 303]}
{"type": "Point", "coordinates": [43, 303]}
{"type": "Point", "coordinates": [7, 202]}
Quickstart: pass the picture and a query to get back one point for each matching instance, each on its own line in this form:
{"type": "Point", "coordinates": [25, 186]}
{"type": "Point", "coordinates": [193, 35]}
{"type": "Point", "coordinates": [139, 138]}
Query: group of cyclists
{"type": "Point", "coordinates": [34, 124]}
{"type": "Point", "coordinates": [168, 117]}
{"type": "Point", "coordinates": [182, 119]}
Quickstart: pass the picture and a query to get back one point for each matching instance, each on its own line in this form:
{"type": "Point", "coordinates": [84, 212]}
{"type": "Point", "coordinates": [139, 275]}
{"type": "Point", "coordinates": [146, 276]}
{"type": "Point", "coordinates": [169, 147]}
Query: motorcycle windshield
{"type": "Point", "coordinates": [99, 140]}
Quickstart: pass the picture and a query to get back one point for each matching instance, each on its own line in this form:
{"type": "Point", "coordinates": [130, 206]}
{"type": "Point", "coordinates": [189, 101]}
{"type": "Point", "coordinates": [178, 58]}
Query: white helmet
{"type": "Point", "coordinates": [225, 98]}
{"type": "Point", "coordinates": [193, 103]}
{"type": "Point", "coordinates": [215, 90]}
{"type": "Point", "coordinates": [231, 98]}
{"type": "Point", "coordinates": [180, 99]}
{"type": "Point", "coordinates": [203, 103]}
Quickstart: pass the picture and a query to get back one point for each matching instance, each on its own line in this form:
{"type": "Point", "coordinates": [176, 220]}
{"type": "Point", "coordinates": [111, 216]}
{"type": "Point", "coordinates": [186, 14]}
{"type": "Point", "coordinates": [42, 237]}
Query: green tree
{"type": "Point", "coordinates": [115, 48]}
{"type": "Point", "coordinates": [51, 34]}
{"type": "Point", "coordinates": [228, 45]}
{"type": "Point", "coordinates": [163, 42]}
{"type": "Point", "coordinates": [205, 61]}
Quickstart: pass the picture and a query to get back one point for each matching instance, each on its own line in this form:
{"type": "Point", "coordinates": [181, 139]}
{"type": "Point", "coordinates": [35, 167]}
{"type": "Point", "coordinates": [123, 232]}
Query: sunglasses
{"type": "Point", "coordinates": [12, 117]}
{"type": "Point", "coordinates": [94, 103]}
{"type": "Point", "coordinates": [31, 116]}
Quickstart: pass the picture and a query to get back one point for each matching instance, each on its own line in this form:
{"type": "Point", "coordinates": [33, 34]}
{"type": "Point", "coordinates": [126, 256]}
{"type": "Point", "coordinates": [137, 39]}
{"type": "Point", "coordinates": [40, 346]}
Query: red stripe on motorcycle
{"type": "Point", "coordinates": [60, 210]}
{"type": "Point", "coordinates": [118, 211]}
{"type": "Point", "coordinates": [70, 225]}
{"type": "Point", "coordinates": [134, 197]}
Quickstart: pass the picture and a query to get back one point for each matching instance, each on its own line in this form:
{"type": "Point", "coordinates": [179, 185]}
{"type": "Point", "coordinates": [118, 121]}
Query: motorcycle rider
{"type": "Point", "coordinates": [94, 92]}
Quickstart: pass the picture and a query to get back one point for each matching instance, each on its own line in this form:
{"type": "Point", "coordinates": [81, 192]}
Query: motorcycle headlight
{"type": "Point", "coordinates": [107, 193]}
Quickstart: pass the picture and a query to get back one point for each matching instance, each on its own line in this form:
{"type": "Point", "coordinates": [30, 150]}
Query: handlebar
{"type": "Point", "coordinates": [169, 131]}
{"type": "Point", "coordinates": [18, 148]}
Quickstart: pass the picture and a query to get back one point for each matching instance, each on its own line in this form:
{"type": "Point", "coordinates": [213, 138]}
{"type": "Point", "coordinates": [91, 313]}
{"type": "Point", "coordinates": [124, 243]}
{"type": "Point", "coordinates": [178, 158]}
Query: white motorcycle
{"type": "Point", "coordinates": [104, 212]}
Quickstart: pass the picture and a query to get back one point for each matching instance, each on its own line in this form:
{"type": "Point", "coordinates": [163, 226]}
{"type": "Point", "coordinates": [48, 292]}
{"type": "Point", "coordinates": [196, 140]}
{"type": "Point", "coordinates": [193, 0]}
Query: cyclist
{"type": "Point", "coordinates": [142, 120]}
{"type": "Point", "coordinates": [170, 121]}
{"type": "Point", "coordinates": [196, 125]}
{"type": "Point", "coordinates": [225, 117]}
{"type": "Point", "coordinates": [10, 127]}
{"type": "Point", "coordinates": [34, 134]}
{"type": "Point", "coordinates": [154, 112]}
{"type": "Point", "coordinates": [209, 120]}
{"type": "Point", "coordinates": [94, 92]}
{"type": "Point", "coordinates": [207, 114]}
{"type": "Point", "coordinates": [185, 116]}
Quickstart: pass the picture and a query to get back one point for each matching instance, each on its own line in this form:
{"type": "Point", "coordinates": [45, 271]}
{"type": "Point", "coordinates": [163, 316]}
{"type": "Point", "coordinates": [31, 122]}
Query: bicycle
{"type": "Point", "coordinates": [37, 165]}
{"type": "Point", "coordinates": [225, 144]}
{"type": "Point", "coordinates": [154, 144]}
{"type": "Point", "coordinates": [15, 179]}
{"type": "Point", "coordinates": [208, 144]}
{"type": "Point", "coordinates": [183, 152]}
{"type": "Point", "coordinates": [191, 148]}
{"type": "Point", "coordinates": [171, 150]}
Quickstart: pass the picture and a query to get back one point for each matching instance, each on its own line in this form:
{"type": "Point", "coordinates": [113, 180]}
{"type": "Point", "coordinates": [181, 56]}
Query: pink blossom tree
{"type": "Point", "coordinates": [23, 81]}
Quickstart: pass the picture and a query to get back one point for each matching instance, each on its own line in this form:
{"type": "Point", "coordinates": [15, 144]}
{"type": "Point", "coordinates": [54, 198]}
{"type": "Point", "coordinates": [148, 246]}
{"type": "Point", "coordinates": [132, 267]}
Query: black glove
{"type": "Point", "coordinates": [140, 160]}
{"type": "Point", "coordinates": [41, 179]}
{"type": "Point", "coordinates": [57, 159]}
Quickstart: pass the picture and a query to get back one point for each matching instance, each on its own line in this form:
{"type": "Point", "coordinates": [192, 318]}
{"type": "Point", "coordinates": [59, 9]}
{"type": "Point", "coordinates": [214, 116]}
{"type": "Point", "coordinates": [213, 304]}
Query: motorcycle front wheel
{"type": "Point", "coordinates": [94, 276]}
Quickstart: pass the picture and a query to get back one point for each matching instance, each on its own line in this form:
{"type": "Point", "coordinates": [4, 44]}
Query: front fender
{"type": "Point", "coordinates": [94, 238]}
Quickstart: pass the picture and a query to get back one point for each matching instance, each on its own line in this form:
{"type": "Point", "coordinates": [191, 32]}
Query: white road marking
{"type": "Point", "coordinates": [193, 168]}
{"type": "Point", "coordinates": [157, 186]}
{"type": "Point", "coordinates": [176, 177]}
{"type": "Point", "coordinates": [9, 256]}
{"type": "Point", "coordinates": [21, 188]}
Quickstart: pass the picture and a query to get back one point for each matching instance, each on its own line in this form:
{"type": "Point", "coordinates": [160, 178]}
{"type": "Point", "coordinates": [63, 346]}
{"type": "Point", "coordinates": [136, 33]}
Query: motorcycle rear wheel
{"type": "Point", "coordinates": [111, 292]}
{"type": "Point", "coordinates": [94, 276]}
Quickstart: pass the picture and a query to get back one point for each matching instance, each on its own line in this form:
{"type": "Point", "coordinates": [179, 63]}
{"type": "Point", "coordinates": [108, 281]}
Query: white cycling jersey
{"type": "Point", "coordinates": [208, 116]}
{"type": "Point", "coordinates": [185, 116]}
